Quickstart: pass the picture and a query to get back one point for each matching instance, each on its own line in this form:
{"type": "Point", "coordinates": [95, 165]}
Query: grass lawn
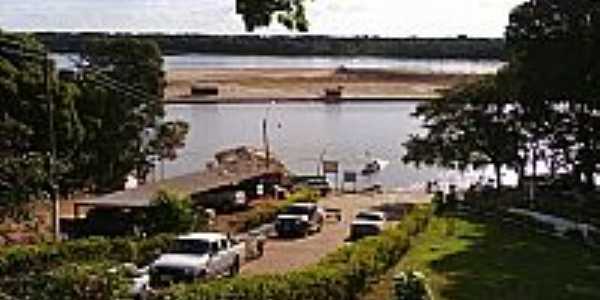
{"type": "Point", "coordinates": [482, 260]}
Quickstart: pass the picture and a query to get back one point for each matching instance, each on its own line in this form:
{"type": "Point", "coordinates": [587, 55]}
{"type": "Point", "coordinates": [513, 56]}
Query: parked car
{"type": "Point", "coordinates": [197, 256]}
{"type": "Point", "coordinates": [367, 223]}
{"type": "Point", "coordinates": [300, 219]}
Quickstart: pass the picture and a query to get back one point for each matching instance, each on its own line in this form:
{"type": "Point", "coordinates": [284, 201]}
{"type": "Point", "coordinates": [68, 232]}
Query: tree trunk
{"type": "Point", "coordinates": [521, 171]}
{"type": "Point", "coordinates": [498, 170]}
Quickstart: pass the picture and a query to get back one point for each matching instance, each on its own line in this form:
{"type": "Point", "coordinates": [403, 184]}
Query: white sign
{"type": "Point", "coordinates": [260, 189]}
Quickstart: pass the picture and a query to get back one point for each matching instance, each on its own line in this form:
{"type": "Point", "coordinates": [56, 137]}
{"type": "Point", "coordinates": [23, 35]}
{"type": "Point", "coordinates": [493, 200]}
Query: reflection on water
{"type": "Point", "coordinates": [210, 61]}
{"type": "Point", "coordinates": [353, 134]}
{"type": "Point", "coordinates": [218, 61]}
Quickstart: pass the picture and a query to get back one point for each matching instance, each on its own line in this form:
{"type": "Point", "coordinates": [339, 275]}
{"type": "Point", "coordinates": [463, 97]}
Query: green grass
{"type": "Point", "coordinates": [482, 260]}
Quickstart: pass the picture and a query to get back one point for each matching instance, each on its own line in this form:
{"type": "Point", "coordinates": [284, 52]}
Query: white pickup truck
{"type": "Point", "coordinates": [197, 256]}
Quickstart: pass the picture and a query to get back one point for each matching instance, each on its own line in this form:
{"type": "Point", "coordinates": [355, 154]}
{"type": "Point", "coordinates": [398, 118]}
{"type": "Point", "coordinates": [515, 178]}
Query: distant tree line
{"type": "Point", "coordinates": [108, 118]}
{"type": "Point", "coordinates": [468, 48]}
{"type": "Point", "coordinates": [544, 106]}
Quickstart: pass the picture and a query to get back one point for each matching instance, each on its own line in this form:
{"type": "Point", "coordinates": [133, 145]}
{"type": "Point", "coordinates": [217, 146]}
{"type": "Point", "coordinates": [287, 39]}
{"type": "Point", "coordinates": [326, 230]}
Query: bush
{"type": "Point", "coordinates": [339, 276]}
{"type": "Point", "coordinates": [170, 212]}
{"type": "Point", "coordinates": [72, 281]}
{"type": "Point", "coordinates": [304, 194]}
{"type": "Point", "coordinates": [42, 257]}
{"type": "Point", "coordinates": [411, 286]}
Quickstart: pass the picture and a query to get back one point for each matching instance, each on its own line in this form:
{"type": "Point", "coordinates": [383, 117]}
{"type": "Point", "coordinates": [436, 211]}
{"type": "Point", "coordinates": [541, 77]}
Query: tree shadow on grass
{"type": "Point", "coordinates": [502, 262]}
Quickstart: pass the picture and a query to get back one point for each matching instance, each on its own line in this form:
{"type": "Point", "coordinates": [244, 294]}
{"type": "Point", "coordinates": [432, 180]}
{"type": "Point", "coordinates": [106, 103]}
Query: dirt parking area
{"type": "Point", "coordinates": [282, 255]}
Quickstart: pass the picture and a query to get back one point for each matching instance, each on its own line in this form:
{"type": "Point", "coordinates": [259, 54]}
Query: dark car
{"type": "Point", "coordinates": [300, 219]}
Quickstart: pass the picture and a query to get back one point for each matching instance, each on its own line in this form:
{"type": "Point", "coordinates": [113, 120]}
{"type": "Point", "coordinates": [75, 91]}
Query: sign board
{"type": "Point", "coordinates": [330, 167]}
{"type": "Point", "coordinates": [350, 176]}
{"type": "Point", "coordinates": [260, 189]}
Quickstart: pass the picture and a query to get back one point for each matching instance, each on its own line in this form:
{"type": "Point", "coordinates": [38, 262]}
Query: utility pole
{"type": "Point", "coordinates": [266, 142]}
{"type": "Point", "coordinates": [54, 198]}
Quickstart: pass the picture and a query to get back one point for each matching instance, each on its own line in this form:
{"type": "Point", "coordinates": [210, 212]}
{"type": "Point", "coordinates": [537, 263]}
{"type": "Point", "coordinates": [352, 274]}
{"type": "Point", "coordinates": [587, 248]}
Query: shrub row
{"type": "Point", "coordinates": [42, 257]}
{"type": "Point", "coordinates": [71, 281]}
{"type": "Point", "coordinates": [341, 275]}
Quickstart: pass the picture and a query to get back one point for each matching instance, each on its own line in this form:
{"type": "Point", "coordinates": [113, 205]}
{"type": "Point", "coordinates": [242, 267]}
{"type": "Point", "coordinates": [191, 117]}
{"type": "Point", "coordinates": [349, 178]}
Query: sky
{"type": "Point", "coordinates": [398, 18]}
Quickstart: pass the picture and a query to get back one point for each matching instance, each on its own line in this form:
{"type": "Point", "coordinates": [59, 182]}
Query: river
{"type": "Point", "coordinates": [227, 61]}
{"type": "Point", "coordinates": [352, 134]}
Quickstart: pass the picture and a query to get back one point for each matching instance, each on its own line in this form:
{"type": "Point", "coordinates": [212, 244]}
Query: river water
{"type": "Point", "coordinates": [226, 61]}
{"type": "Point", "coordinates": [352, 134]}
{"type": "Point", "coordinates": [212, 61]}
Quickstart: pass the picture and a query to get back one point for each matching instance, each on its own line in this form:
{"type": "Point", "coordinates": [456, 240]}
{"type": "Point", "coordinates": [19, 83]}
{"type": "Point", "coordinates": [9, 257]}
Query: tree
{"type": "Point", "coordinates": [122, 99]}
{"type": "Point", "coordinates": [259, 13]}
{"type": "Point", "coordinates": [99, 121]}
{"type": "Point", "coordinates": [170, 212]}
{"type": "Point", "coordinates": [24, 142]}
{"type": "Point", "coordinates": [553, 46]}
{"type": "Point", "coordinates": [469, 127]}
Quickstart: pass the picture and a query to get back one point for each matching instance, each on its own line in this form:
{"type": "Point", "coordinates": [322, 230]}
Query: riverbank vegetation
{"type": "Point", "coordinates": [425, 48]}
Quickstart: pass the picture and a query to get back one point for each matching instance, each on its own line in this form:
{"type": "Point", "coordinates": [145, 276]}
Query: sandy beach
{"type": "Point", "coordinates": [308, 83]}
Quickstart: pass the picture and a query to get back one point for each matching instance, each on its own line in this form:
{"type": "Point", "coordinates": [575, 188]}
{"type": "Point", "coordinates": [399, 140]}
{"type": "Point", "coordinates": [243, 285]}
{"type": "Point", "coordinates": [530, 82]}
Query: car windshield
{"type": "Point", "coordinates": [190, 247]}
{"type": "Point", "coordinates": [297, 210]}
{"type": "Point", "coordinates": [369, 217]}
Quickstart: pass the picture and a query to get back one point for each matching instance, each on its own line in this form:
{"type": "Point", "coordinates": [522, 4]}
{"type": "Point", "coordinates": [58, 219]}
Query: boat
{"type": "Point", "coordinates": [371, 168]}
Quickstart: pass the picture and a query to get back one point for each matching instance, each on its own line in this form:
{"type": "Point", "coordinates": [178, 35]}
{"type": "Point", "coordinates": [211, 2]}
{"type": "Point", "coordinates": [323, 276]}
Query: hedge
{"type": "Point", "coordinates": [42, 257]}
{"type": "Point", "coordinates": [71, 281]}
{"type": "Point", "coordinates": [341, 275]}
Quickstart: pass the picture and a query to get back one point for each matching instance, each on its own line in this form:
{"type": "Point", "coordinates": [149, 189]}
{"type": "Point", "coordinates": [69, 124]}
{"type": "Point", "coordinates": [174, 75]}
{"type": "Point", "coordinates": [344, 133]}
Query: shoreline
{"type": "Point", "coordinates": [258, 85]}
{"type": "Point", "coordinates": [343, 100]}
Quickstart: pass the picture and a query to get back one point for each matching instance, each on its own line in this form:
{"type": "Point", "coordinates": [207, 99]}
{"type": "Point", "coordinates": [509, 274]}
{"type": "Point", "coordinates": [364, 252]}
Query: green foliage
{"type": "Point", "coordinates": [541, 107]}
{"type": "Point", "coordinates": [122, 110]}
{"type": "Point", "coordinates": [340, 275]}
{"type": "Point", "coordinates": [71, 281]}
{"type": "Point", "coordinates": [169, 212]}
{"type": "Point", "coordinates": [38, 258]}
{"type": "Point", "coordinates": [259, 13]}
{"type": "Point", "coordinates": [24, 142]}
{"type": "Point", "coordinates": [556, 89]}
{"type": "Point", "coordinates": [487, 260]}
{"type": "Point", "coordinates": [411, 286]}
{"type": "Point", "coordinates": [107, 126]}
{"type": "Point", "coordinates": [473, 125]}
{"type": "Point", "coordinates": [304, 194]}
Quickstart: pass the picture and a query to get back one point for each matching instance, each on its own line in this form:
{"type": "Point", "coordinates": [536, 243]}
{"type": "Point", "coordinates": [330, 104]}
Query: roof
{"type": "Point", "coordinates": [207, 236]}
{"type": "Point", "coordinates": [219, 176]}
